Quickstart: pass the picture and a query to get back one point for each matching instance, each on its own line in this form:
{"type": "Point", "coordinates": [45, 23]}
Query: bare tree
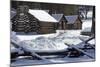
{"type": "Point", "coordinates": [83, 11]}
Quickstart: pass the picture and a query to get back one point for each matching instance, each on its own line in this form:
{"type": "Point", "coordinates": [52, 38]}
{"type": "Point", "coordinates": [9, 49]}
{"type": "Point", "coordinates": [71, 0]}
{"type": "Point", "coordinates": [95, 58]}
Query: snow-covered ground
{"type": "Point", "coordinates": [89, 14]}
{"type": "Point", "coordinates": [30, 37]}
{"type": "Point", "coordinates": [51, 42]}
{"type": "Point", "coordinates": [87, 23]}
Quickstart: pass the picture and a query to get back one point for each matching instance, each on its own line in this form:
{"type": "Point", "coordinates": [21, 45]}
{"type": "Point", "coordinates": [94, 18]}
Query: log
{"type": "Point", "coordinates": [17, 45]}
{"type": "Point", "coordinates": [86, 41]}
{"type": "Point", "coordinates": [73, 46]}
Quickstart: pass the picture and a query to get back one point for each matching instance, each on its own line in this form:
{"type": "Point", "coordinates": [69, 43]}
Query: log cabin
{"type": "Point", "coordinates": [35, 21]}
{"type": "Point", "coordinates": [74, 22]}
{"type": "Point", "coordinates": [46, 22]}
{"type": "Point", "coordinates": [62, 22]}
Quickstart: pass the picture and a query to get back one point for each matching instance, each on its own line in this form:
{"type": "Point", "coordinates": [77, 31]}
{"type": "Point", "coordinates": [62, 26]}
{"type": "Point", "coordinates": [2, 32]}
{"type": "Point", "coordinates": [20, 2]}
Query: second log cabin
{"type": "Point", "coordinates": [74, 22]}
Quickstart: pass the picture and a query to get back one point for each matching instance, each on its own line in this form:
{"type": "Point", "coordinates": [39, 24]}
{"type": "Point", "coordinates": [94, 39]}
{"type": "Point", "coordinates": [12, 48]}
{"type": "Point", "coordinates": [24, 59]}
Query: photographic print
{"type": "Point", "coordinates": [51, 33]}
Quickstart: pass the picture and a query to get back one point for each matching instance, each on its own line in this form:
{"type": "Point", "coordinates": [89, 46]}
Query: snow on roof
{"type": "Point", "coordinates": [42, 15]}
{"type": "Point", "coordinates": [57, 16]}
{"type": "Point", "coordinates": [71, 19]}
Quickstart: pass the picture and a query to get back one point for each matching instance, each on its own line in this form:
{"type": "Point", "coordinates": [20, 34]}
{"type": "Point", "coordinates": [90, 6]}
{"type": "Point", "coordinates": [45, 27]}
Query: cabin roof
{"type": "Point", "coordinates": [58, 17]}
{"type": "Point", "coordinates": [42, 15]}
{"type": "Point", "coordinates": [71, 19]}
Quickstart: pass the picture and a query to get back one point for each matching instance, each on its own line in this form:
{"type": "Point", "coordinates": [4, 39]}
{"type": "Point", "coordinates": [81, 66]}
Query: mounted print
{"type": "Point", "coordinates": [51, 33]}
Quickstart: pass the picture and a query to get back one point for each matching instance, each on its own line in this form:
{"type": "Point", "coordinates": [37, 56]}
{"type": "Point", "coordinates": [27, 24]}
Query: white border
{"type": "Point", "coordinates": [4, 33]}
{"type": "Point", "coordinates": [79, 2]}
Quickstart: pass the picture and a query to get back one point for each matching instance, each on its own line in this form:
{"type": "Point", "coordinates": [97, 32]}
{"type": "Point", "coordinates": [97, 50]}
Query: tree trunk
{"type": "Point", "coordinates": [93, 21]}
